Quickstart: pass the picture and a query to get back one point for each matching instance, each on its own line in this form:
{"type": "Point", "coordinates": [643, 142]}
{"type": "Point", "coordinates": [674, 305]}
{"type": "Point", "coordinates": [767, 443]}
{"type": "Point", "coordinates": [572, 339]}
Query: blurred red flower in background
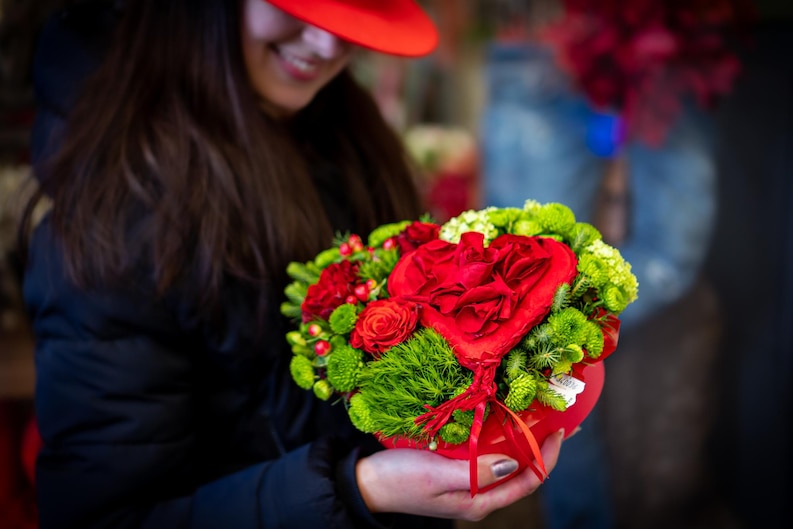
{"type": "Point", "coordinates": [641, 58]}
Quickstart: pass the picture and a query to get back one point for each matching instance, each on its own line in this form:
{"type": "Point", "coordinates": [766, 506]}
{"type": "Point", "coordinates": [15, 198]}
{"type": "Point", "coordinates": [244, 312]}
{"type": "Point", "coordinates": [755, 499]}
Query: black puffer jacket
{"type": "Point", "coordinates": [152, 418]}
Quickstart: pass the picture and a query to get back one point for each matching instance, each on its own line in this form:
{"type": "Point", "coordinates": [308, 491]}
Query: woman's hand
{"type": "Point", "coordinates": [424, 483]}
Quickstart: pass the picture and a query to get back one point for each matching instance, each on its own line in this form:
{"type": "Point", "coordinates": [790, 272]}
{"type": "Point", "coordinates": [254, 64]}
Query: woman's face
{"type": "Point", "coordinates": [288, 61]}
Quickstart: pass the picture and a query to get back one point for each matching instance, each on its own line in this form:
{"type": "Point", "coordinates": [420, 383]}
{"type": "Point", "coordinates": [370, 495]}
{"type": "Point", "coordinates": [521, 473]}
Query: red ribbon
{"type": "Point", "coordinates": [476, 397]}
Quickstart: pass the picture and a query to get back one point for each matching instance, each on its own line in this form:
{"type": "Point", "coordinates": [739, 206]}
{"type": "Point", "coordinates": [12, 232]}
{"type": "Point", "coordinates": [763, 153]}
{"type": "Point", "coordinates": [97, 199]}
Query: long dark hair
{"type": "Point", "coordinates": [167, 155]}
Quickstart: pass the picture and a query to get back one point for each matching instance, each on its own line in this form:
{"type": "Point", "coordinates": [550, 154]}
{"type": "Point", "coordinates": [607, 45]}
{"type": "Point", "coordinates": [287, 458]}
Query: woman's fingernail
{"type": "Point", "coordinates": [504, 467]}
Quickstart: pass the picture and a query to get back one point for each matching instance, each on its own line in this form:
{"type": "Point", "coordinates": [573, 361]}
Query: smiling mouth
{"type": "Point", "coordinates": [298, 67]}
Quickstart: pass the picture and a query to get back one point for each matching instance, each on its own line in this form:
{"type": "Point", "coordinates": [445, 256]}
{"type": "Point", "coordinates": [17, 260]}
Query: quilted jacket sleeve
{"type": "Point", "coordinates": [117, 410]}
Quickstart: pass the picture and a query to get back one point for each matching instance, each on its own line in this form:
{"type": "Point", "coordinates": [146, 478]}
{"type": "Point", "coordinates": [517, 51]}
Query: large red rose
{"type": "Point", "coordinates": [483, 300]}
{"type": "Point", "coordinates": [335, 284]}
{"type": "Point", "coordinates": [383, 324]}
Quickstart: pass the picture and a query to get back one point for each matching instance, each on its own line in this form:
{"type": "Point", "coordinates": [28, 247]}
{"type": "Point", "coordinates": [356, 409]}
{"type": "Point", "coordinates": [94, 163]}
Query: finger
{"type": "Point", "coordinates": [550, 450]}
{"type": "Point", "coordinates": [494, 467]}
{"type": "Point", "coordinates": [522, 484]}
{"type": "Point", "coordinates": [577, 429]}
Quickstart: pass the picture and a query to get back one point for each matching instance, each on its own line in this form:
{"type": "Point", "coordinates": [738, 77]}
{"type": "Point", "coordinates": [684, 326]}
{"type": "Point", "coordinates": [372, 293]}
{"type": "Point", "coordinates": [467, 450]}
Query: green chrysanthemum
{"type": "Point", "coordinates": [302, 371]}
{"type": "Point", "coordinates": [568, 326]}
{"type": "Point", "coordinates": [322, 389]}
{"type": "Point", "coordinates": [342, 319]}
{"type": "Point", "coordinates": [454, 433]}
{"type": "Point", "coordinates": [611, 274]}
{"type": "Point", "coordinates": [556, 218]}
{"type": "Point", "coordinates": [344, 365]}
{"type": "Point", "coordinates": [582, 235]}
{"type": "Point", "coordinates": [360, 415]}
{"type": "Point", "coordinates": [594, 342]}
{"type": "Point", "coordinates": [504, 219]}
{"type": "Point", "coordinates": [522, 391]}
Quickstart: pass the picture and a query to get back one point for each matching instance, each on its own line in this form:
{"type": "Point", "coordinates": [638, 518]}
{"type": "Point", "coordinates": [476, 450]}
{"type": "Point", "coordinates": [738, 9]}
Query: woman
{"type": "Point", "coordinates": [218, 141]}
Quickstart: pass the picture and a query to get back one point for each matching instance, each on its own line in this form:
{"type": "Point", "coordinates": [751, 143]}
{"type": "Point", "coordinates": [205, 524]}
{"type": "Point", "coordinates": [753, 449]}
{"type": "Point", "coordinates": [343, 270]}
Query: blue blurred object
{"type": "Point", "coordinates": [604, 134]}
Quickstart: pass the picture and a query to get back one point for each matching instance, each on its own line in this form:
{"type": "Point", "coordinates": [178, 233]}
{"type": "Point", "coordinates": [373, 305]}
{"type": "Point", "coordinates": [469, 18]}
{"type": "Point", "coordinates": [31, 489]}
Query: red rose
{"type": "Point", "coordinates": [336, 283]}
{"type": "Point", "coordinates": [417, 234]}
{"type": "Point", "coordinates": [483, 300]}
{"type": "Point", "coordinates": [383, 324]}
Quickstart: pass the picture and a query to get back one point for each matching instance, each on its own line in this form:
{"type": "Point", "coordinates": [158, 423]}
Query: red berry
{"type": "Point", "coordinates": [361, 292]}
{"type": "Point", "coordinates": [322, 347]}
{"type": "Point", "coordinates": [389, 244]}
{"type": "Point", "coordinates": [314, 329]}
{"type": "Point", "coordinates": [370, 284]}
{"type": "Point", "coordinates": [356, 243]}
{"type": "Point", "coordinates": [345, 249]}
{"type": "Point", "coordinates": [352, 300]}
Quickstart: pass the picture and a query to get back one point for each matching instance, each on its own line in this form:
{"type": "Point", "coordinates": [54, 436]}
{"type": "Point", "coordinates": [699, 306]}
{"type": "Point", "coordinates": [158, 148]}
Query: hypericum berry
{"type": "Point", "coordinates": [352, 300]}
{"type": "Point", "coordinates": [361, 291]}
{"type": "Point", "coordinates": [314, 330]}
{"type": "Point", "coordinates": [322, 347]}
{"type": "Point", "coordinates": [345, 249]}
{"type": "Point", "coordinates": [389, 244]}
{"type": "Point", "coordinates": [356, 243]}
{"type": "Point", "coordinates": [371, 283]}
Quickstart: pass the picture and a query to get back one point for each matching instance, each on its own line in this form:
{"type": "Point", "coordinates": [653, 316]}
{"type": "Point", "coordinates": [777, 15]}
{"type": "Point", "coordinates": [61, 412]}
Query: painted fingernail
{"type": "Point", "coordinates": [504, 467]}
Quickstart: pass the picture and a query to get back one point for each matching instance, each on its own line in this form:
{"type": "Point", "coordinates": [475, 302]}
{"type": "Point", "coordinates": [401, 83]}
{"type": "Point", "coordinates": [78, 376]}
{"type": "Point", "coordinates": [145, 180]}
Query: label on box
{"type": "Point", "coordinates": [568, 387]}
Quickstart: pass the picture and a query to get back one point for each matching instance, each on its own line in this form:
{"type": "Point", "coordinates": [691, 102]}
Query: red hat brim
{"type": "Point", "coordinates": [396, 27]}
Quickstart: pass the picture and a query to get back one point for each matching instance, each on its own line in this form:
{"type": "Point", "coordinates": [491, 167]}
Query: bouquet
{"type": "Point", "coordinates": [480, 335]}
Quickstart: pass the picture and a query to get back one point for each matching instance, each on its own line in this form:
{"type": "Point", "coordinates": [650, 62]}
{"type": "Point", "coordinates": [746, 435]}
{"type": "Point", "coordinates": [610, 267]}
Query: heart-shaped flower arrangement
{"type": "Point", "coordinates": [482, 335]}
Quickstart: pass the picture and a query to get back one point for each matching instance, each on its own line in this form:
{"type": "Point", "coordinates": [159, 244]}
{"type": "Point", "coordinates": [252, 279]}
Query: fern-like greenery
{"type": "Point", "coordinates": [395, 389]}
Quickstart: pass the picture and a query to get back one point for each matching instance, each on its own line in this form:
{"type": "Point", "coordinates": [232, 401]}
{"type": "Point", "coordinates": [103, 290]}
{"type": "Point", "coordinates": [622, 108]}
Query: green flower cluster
{"type": "Point", "coordinates": [610, 274]}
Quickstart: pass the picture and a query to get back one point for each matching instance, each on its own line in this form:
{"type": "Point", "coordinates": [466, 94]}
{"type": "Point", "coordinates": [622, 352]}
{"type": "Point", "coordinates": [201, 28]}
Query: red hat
{"type": "Point", "coordinates": [397, 27]}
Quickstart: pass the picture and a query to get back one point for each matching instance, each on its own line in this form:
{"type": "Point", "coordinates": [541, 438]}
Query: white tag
{"type": "Point", "coordinates": [568, 387]}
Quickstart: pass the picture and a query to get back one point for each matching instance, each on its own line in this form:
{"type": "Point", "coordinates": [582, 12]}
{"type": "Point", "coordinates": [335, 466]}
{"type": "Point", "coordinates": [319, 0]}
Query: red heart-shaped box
{"type": "Point", "coordinates": [542, 421]}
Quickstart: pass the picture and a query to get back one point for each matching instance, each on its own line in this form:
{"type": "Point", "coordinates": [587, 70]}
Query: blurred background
{"type": "Point", "coordinates": [668, 124]}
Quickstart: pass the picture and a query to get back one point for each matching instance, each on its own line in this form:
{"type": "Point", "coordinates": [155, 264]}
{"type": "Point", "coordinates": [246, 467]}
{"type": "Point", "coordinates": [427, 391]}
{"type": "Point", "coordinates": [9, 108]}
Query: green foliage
{"type": "Point", "coordinates": [302, 273]}
{"type": "Point", "coordinates": [325, 258]}
{"type": "Point", "coordinates": [395, 389]}
{"type": "Point", "coordinates": [380, 266]}
{"type": "Point", "coordinates": [382, 233]}
{"type": "Point", "coordinates": [550, 398]}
